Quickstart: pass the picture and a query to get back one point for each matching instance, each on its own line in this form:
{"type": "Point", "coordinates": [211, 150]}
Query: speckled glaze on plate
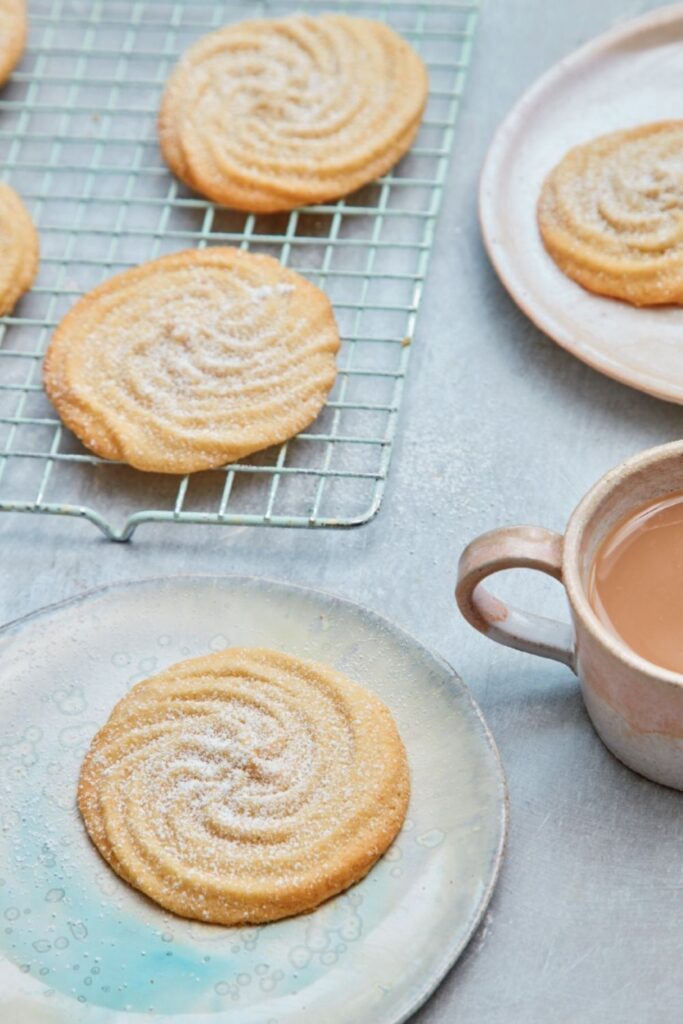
{"type": "Point", "coordinates": [628, 76]}
{"type": "Point", "coordinates": [78, 946]}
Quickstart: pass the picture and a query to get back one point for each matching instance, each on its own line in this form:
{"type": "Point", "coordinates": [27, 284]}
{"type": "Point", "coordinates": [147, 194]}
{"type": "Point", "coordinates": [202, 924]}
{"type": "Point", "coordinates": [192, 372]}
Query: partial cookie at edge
{"type": "Point", "coordinates": [13, 29]}
{"type": "Point", "coordinates": [19, 249]}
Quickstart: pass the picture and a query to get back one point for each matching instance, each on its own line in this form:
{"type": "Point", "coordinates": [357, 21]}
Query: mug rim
{"type": "Point", "coordinates": [571, 576]}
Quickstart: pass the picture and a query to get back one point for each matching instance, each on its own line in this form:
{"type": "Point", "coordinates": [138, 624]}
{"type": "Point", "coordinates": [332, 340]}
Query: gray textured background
{"type": "Point", "coordinates": [499, 426]}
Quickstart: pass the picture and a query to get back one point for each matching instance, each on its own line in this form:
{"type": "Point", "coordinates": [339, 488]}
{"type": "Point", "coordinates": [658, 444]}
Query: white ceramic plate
{"type": "Point", "coordinates": [630, 75]}
{"type": "Point", "coordinates": [78, 946]}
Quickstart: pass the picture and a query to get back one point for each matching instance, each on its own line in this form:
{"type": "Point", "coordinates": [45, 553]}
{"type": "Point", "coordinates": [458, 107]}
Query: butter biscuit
{"type": "Point", "coordinates": [270, 115]}
{"type": "Point", "coordinates": [611, 214]}
{"type": "Point", "coordinates": [244, 786]}
{"type": "Point", "coordinates": [18, 249]}
{"type": "Point", "coordinates": [12, 35]}
{"type": "Point", "coordinates": [193, 360]}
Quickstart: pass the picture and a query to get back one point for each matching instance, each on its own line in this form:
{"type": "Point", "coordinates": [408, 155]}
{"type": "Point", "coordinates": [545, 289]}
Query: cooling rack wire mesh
{"type": "Point", "coordinates": [78, 142]}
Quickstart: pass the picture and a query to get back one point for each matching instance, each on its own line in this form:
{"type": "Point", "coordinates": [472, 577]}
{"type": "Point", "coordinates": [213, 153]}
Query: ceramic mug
{"type": "Point", "coordinates": [635, 706]}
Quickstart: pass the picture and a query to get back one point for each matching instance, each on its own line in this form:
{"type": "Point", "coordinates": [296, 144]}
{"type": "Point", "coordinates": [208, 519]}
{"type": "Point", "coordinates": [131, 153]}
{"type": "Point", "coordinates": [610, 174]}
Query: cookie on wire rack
{"type": "Point", "coordinates": [12, 35]}
{"type": "Point", "coordinates": [245, 786]}
{"type": "Point", "coordinates": [611, 214]}
{"type": "Point", "coordinates": [266, 116]}
{"type": "Point", "coordinates": [18, 249]}
{"type": "Point", "coordinates": [193, 360]}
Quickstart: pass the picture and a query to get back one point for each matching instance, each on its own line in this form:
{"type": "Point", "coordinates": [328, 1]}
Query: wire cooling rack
{"type": "Point", "coordinates": [78, 142]}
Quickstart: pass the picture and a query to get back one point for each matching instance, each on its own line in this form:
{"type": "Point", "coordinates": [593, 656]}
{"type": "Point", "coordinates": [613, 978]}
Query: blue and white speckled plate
{"type": "Point", "coordinates": [78, 946]}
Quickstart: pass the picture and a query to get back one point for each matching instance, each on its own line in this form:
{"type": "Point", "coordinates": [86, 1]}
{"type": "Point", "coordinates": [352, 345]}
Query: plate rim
{"type": "Point", "coordinates": [454, 951]}
{"type": "Point", "coordinates": [611, 37]}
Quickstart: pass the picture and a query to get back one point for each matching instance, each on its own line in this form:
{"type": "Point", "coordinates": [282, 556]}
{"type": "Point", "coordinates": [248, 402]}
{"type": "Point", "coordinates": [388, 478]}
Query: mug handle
{"type": "Point", "coordinates": [513, 547]}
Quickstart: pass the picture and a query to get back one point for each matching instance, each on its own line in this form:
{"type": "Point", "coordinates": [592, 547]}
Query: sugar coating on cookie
{"type": "Point", "coordinates": [12, 35]}
{"type": "Point", "coordinates": [245, 786]}
{"type": "Point", "coordinates": [270, 115]}
{"type": "Point", "coordinates": [193, 360]}
{"type": "Point", "coordinates": [611, 214]}
{"type": "Point", "coordinates": [18, 249]}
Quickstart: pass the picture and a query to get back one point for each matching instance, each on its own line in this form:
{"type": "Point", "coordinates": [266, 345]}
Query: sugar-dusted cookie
{"type": "Point", "coordinates": [611, 214]}
{"type": "Point", "coordinates": [18, 249]}
{"type": "Point", "coordinates": [12, 35]}
{"type": "Point", "coordinates": [271, 115]}
{"type": "Point", "coordinates": [244, 786]}
{"type": "Point", "coordinates": [193, 360]}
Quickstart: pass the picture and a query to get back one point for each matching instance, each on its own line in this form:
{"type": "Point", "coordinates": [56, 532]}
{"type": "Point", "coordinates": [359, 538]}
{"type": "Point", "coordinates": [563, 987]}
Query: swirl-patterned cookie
{"type": "Point", "coordinates": [18, 249]}
{"type": "Point", "coordinates": [611, 214]}
{"type": "Point", "coordinates": [193, 360]}
{"type": "Point", "coordinates": [271, 115]}
{"type": "Point", "coordinates": [244, 786]}
{"type": "Point", "coordinates": [12, 35]}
